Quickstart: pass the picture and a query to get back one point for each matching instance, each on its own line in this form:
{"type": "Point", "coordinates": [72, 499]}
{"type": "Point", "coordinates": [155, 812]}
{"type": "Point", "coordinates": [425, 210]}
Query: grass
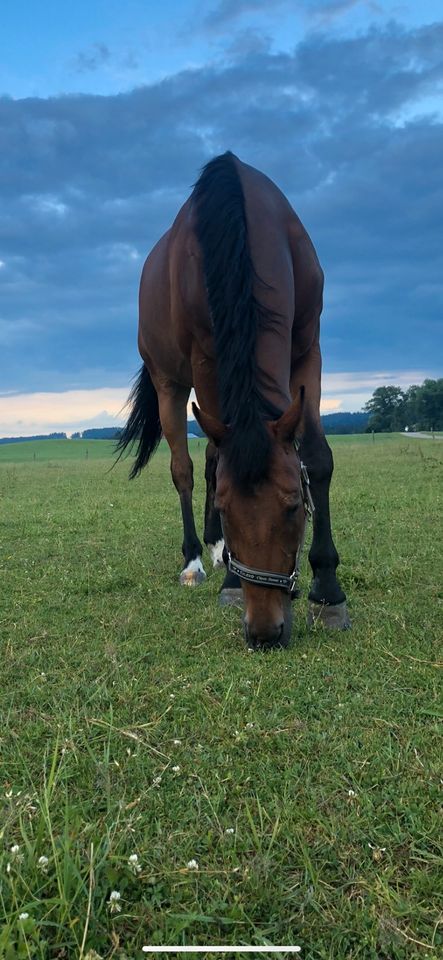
{"type": "Point", "coordinates": [324, 761]}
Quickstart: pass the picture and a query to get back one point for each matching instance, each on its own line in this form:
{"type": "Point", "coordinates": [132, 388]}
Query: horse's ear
{"type": "Point", "coordinates": [287, 426]}
{"type": "Point", "coordinates": [214, 429]}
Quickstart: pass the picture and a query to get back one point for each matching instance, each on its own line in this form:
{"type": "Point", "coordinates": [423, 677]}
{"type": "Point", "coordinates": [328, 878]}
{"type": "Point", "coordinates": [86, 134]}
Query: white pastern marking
{"type": "Point", "coordinates": [216, 551]}
{"type": "Point", "coordinates": [193, 574]}
{"type": "Point", "coordinates": [194, 566]}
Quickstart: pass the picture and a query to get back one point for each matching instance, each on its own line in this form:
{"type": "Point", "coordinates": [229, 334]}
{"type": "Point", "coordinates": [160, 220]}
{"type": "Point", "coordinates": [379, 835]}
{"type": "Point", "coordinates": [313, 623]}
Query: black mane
{"type": "Point", "coordinates": [236, 314]}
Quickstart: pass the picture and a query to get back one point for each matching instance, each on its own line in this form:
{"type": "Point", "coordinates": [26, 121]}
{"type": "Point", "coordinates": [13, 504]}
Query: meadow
{"type": "Point", "coordinates": [291, 797]}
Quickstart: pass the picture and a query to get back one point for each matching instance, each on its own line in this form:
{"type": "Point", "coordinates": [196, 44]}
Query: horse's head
{"type": "Point", "coordinates": [263, 526]}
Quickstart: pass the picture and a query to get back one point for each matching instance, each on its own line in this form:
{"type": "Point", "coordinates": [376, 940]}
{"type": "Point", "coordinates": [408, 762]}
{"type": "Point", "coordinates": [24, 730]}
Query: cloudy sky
{"type": "Point", "coordinates": [109, 109]}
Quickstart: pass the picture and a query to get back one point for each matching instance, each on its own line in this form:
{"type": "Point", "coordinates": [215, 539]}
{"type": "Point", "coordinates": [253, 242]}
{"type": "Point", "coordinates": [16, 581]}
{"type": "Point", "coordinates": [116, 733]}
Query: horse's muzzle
{"type": "Point", "coordinates": [269, 638]}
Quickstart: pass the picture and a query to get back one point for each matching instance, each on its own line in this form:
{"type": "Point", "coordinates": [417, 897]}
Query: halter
{"type": "Point", "coordinates": [266, 578]}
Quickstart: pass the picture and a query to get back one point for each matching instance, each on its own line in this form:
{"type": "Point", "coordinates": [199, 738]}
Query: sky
{"type": "Point", "coordinates": [108, 110]}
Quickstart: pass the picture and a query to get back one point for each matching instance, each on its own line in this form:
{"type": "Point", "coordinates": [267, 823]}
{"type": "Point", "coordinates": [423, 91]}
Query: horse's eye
{"type": "Point", "coordinates": [292, 508]}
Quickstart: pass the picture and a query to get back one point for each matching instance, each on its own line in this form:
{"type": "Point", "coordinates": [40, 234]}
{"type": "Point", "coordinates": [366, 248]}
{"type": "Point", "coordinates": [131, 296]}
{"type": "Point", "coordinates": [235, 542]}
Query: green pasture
{"type": "Point", "coordinates": [306, 784]}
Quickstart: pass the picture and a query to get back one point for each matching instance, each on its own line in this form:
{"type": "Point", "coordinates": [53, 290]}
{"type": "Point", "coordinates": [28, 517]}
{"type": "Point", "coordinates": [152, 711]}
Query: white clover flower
{"type": "Point", "coordinates": [229, 830]}
{"type": "Point", "coordinates": [15, 853]}
{"type": "Point", "coordinates": [192, 865]}
{"type": "Point", "coordinates": [113, 902]}
{"type": "Point", "coordinates": [134, 865]}
{"type": "Point", "coordinates": [176, 769]}
{"type": "Point", "coordinates": [156, 782]}
{"type": "Point", "coordinates": [352, 793]}
{"type": "Point", "coordinates": [177, 743]}
{"type": "Point", "coordinates": [23, 916]}
{"type": "Point", "coordinates": [249, 726]}
{"type": "Point", "coordinates": [172, 696]}
{"type": "Point", "coordinates": [42, 863]}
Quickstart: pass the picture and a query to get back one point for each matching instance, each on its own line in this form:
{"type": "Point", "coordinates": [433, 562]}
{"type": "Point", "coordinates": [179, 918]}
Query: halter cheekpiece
{"type": "Point", "coordinates": [266, 578]}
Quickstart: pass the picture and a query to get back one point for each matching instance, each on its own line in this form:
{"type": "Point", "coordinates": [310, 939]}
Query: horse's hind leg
{"type": "Point", "coordinates": [213, 535]}
{"type": "Point", "coordinates": [172, 406]}
{"type": "Point", "coordinates": [327, 599]}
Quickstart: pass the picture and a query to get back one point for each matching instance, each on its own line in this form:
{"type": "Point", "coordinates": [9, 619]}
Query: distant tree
{"type": "Point", "coordinates": [429, 405]}
{"type": "Point", "coordinates": [100, 433]}
{"type": "Point", "coordinates": [195, 428]}
{"type": "Point", "coordinates": [387, 410]}
{"type": "Point", "coordinates": [39, 436]}
{"type": "Point", "coordinates": [344, 422]}
{"type": "Point", "coordinates": [411, 406]}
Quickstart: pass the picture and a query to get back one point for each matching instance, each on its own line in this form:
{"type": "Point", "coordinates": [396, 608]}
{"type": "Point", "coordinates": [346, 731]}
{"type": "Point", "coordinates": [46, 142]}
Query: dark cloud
{"type": "Point", "coordinates": [224, 13]}
{"type": "Point", "coordinates": [91, 59]}
{"type": "Point", "coordinates": [324, 12]}
{"type": "Point", "coordinates": [88, 183]}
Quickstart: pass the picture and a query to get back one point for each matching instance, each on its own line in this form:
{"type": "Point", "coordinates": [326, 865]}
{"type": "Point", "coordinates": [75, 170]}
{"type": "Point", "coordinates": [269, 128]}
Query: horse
{"type": "Point", "coordinates": [229, 304]}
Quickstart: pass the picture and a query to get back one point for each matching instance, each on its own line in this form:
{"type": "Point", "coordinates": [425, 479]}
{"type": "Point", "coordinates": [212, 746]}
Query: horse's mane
{"type": "Point", "coordinates": [221, 229]}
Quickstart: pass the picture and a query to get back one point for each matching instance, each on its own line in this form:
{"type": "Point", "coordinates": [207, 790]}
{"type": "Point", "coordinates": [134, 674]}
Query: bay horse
{"type": "Point", "coordinates": [230, 302]}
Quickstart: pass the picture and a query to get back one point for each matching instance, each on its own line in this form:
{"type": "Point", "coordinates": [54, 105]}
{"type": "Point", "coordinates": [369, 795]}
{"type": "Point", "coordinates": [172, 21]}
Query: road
{"type": "Point", "coordinates": [423, 436]}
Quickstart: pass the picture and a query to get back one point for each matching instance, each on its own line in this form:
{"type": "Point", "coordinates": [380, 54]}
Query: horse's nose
{"type": "Point", "coordinates": [272, 636]}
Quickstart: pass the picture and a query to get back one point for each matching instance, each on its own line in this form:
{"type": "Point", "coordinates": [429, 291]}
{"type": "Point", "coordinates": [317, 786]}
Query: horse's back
{"type": "Point", "coordinates": [174, 312]}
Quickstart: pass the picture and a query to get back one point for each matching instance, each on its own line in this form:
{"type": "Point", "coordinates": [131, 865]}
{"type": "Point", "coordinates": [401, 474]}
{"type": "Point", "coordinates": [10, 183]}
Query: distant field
{"type": "Point", "coordinates": [44, 450]}
{"type": "Point", "coordinates": [308, 786]}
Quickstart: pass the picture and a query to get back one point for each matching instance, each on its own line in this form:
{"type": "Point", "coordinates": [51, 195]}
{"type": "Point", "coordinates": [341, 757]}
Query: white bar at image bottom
{"type": "Point", "coordinates": [221, 949]}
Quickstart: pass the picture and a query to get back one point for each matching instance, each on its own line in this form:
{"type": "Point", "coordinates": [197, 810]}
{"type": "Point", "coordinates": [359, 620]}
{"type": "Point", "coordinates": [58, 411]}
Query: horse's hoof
{"type": "Point", "coordinates": [193, 574]}
{"type": "Point", "coordinates": [231, 597]}
{"type": "Point", "coordinates": [333, 616]}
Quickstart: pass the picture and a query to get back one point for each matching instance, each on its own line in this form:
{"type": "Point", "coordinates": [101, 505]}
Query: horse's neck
{"type": "Point", "coordinates": [274, 363]}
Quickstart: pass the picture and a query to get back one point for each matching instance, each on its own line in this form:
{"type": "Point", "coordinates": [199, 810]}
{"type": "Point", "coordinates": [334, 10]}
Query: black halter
{"type": "Point", "coordinates": [266, 578]}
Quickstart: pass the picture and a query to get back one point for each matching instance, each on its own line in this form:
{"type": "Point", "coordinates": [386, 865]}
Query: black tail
{"type": "Point", "coordinates": [221, 230]}
{"type": "Point", "coordinates": [143, 426]}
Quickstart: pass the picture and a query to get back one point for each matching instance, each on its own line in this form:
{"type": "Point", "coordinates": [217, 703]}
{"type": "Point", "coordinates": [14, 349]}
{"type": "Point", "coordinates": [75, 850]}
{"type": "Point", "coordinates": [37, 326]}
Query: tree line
{"type": "Point", "coordinates": [417, 408]}
{"type": "Point", "coordinates": [390, 409]}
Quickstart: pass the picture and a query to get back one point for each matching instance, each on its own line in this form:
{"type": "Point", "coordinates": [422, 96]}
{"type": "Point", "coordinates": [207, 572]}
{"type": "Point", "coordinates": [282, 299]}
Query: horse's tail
{"type": "Point", "coordinates": [143, 426]}
{"type": "Point", "coordinates": [221, 229]}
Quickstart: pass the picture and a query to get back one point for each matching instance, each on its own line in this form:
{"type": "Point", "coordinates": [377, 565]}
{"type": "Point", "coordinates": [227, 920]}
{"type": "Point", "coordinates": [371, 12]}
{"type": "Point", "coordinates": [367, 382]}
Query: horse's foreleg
{"type": "Point", "coordinates": [231, 591]}
{"type": "Point", "coordinates": [172, 406]}
{"type": "Point", "coordinates": [327, 599]}
{"type": "Point", "coordinates": [205, 379]}
{"type": "Point", "coordinates": [213, 535]}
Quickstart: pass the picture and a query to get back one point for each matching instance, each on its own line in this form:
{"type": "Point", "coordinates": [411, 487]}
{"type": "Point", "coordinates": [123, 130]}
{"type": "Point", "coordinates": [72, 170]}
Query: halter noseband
{"type": "Point", "coordinates": [266, 578]}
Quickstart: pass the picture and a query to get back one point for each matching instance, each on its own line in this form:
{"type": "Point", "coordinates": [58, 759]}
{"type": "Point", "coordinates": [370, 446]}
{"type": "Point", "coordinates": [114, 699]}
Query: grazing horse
{"type": "Point", "coordinates": [230, 303]}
